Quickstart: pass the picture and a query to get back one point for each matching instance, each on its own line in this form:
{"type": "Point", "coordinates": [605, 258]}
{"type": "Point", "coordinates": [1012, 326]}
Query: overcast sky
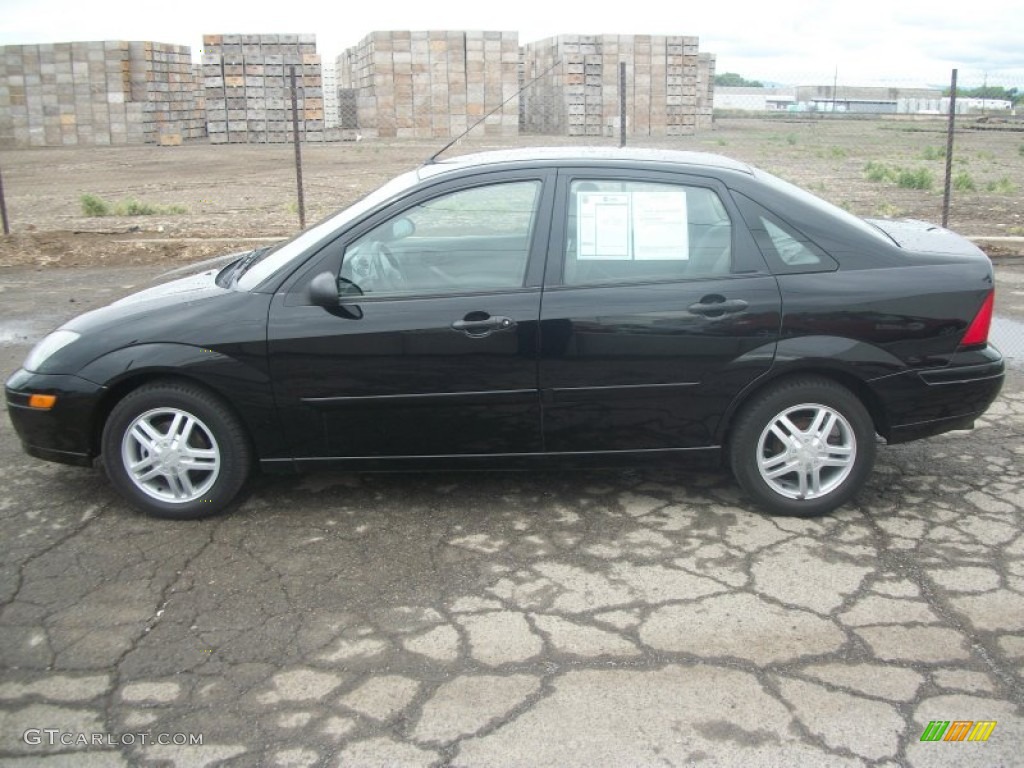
{"type": "Point", "coordinates": [904, 42]}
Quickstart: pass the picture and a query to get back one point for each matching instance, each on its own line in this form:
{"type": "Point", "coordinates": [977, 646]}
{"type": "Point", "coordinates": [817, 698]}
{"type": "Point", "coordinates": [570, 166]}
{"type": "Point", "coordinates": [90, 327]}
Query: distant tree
{"type": "Point", "coordinates": [732, 79]}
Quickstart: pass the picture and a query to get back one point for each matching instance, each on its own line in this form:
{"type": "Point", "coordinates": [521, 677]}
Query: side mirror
{"type": "Point", "coordinates": [323, 290]}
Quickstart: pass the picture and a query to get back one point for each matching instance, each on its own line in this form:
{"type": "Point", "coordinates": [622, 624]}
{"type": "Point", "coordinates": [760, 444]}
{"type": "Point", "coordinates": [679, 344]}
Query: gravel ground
{"type": "Point", "coordinates": [234, 193]}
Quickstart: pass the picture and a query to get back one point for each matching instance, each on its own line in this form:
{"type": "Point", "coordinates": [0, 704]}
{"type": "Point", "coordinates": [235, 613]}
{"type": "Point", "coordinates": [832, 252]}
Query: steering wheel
{"type": "Point", "coordinates": [385, 268]}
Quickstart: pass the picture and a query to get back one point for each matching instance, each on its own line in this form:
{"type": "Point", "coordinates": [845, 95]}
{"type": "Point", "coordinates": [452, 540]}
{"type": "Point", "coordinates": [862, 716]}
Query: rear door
{"type": "Point", "coordinates": [658, 309]}
{"type": "Point", "coordinates": [433, 349]}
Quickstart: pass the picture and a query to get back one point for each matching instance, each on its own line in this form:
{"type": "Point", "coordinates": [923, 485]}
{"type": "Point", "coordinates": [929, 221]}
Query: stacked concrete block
{"type": "Point", "coordinates": [705, 90]}
{"type": "Point", "coordinates": [330, 91]}
{"type": "Point", "coordinates": [97, 93]}
{"type": "Point", "coordinates": [247, 80]}
{"type": "Point", "coordinates": [162, 78]}
{"type": "Point", "coordinates": [579, 95]}
{"type": "Point", "coordinates": [544, 78]}
{"type": "Point", "coordinates": [433, 84]}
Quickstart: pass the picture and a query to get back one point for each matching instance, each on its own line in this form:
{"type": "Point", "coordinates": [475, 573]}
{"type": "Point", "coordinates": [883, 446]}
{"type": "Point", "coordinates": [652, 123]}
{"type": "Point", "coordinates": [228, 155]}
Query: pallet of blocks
{"type": "Point", "coordinates": [431, 84]}
{"type": "Point", "coordinates": [97, 93]}
{"type": "Point", "coordinates": [580, 95]}
{"type": "Point", "coordinates": [247, 81]}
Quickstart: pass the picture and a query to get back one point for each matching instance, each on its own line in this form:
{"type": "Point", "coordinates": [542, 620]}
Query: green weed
{"type": "Point", "coordinates": [919, 178]}
{"type": "Point", "coordinates": [1001, 186]}
{"type": "Point", "coordinates": [94, 206]}
{"type": "Point", "coordinates": [132, 207]}
{"type": "Point", "coordinates": [962, 182]}
{"type": "Point", "coordinates": [875, 171]}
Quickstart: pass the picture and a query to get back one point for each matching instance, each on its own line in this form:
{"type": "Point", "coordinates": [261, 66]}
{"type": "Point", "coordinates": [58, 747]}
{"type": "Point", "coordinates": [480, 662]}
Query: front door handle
{"type": "Point", "coordinates": [479, 324]}
{"type": "Point", "coordinates": [715, 306]}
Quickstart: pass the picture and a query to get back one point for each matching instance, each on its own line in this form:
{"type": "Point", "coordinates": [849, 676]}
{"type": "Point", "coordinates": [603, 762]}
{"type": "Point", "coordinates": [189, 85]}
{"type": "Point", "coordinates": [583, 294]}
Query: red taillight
{"type": "Point", "coordinates": [977, 331]}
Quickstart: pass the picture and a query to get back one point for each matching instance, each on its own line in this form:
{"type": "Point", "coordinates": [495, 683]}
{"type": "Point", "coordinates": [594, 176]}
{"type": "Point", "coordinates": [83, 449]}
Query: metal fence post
{"type": "Point", "coordinates": [622, 103]}
{"type": "Point", "coordinates": [949, 150]}
{"type": "Point", "coordinates": [3, 206]}
{"type": "Point", "coordinates": [298, 151]}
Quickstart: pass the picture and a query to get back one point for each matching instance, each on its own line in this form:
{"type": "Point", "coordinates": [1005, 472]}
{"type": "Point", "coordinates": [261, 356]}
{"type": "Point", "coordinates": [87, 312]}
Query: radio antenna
{"type": "Point", "coordinates": [457, 139]}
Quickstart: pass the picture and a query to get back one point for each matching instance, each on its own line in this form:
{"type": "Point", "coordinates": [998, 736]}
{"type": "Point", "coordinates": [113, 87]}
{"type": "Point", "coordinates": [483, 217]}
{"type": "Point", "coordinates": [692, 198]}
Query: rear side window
{"type": "Point", "coordinates": [787, 250]}
{"type": "Point", "coordinates": [627, 231]}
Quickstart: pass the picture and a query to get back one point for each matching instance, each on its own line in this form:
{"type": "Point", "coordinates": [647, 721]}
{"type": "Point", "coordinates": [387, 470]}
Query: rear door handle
{"type": "Point", "coordinates": [478, 327]}
{"type": "Point", "coordinates": [707, 306]}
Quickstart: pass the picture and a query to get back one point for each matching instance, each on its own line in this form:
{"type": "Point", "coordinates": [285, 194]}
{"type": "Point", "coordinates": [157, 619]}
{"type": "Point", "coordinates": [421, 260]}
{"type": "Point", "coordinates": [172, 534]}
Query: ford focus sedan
{"type": "Point", "coordinates": [533, 309]}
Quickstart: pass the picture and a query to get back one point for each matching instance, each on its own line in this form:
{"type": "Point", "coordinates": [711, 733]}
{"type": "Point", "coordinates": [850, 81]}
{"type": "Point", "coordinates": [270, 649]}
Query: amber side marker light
{"type": "Point", "coordinates": [43, 402]}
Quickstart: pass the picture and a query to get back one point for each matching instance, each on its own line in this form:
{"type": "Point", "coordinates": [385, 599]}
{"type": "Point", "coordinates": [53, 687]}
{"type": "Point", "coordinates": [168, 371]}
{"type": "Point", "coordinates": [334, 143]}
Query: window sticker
{"type": "Point", "coordinates": [632, 226]}
{"type": "Point", "coordinates": [659, 225]}
{"type": "Point", "coordinates": [603, 223]}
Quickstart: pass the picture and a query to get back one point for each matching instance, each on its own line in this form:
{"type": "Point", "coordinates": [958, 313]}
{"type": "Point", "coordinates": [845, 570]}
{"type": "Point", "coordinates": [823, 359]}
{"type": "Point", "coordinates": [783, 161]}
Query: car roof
{"type": "Point", "coordinates": [584, 154]}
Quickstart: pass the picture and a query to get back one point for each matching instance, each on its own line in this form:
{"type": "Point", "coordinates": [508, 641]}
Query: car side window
{"type": "Point", "coordinates": [628, 231]}
{"type": "Point", "coordinates": [785, 247]}
{"type": "Point", "coordinates": [469, 241]}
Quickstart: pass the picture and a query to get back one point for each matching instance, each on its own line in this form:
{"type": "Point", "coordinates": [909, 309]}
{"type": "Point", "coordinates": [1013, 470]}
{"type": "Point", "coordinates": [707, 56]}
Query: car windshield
{"type": "Point", "coordinates": [287, 251]}
{"type": "Point", "coordinates": [792, 190]}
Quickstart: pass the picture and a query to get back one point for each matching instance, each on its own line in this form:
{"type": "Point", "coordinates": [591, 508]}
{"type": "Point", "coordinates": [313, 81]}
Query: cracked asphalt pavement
{"type": "Point", "coordinates": [501, 619]}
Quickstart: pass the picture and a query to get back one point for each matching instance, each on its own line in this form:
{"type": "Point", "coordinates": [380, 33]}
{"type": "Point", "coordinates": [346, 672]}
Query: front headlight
{"type": "Point", "coordinates": [47, 347]}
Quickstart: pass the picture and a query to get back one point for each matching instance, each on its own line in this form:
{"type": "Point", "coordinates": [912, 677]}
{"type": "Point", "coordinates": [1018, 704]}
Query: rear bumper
{"type": "Point", "coordinates": [920, 404]}
{"type": "Point", "coordinates": [62, 434]}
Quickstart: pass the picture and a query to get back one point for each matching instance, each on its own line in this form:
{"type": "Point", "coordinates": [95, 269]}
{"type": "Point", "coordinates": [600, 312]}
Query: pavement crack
{"type": "Point", "coordinates": [894, 560]}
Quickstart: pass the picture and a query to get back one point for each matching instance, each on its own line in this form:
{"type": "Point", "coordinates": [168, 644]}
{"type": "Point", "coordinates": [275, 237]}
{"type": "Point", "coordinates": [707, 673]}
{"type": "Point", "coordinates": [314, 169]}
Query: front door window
{"type": "Point", "coordinates": [473, 241]}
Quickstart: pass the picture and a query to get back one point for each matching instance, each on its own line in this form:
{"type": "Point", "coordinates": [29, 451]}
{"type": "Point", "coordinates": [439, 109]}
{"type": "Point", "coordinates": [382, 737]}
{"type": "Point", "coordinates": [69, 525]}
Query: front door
{"type": "Point", "coordinates": [432, 350]}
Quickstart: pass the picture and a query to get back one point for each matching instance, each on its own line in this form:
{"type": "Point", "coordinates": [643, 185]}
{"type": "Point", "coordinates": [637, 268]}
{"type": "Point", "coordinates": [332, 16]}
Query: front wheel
{"type": "Point", "coordinates": [803, 447]}
{"type": "Point", "coordinates": [175, 451]}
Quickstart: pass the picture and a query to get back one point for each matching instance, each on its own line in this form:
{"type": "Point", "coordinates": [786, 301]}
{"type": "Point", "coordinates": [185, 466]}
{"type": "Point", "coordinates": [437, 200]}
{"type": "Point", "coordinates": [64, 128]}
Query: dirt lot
{"type": "Point", "coordinates": [234, 194]}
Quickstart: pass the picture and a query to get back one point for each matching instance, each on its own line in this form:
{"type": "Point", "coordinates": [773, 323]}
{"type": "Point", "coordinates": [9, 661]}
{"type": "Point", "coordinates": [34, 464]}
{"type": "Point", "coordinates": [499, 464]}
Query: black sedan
{"type": "Point", "coordinates": [533, 308]}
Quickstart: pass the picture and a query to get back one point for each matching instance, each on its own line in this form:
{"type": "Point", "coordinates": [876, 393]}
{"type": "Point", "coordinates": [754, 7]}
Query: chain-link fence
{"type": "Point", "coordinates": [875, 149]}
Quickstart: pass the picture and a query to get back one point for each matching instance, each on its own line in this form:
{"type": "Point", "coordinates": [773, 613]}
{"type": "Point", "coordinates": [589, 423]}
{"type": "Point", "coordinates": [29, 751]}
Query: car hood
{"type": "Point", "coordinates": [217, 262]}
{"type": "Point", "coordinates": [179, 294]}
{"type": "Point", "coordinates": [922, 237]}
{"type": "Point", "coordinates": [193, 284]}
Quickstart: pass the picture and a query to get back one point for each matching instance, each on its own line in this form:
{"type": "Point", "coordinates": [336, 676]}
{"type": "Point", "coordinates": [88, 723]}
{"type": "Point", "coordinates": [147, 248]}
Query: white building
{"type": "Point", "coordinates": [754, 99]}
{"type": "Point", "coordinates": [969, 106]}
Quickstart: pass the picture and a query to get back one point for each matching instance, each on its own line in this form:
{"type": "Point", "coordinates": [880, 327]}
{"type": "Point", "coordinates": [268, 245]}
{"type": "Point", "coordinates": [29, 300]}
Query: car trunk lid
{"type": "Point", "coordinates": [923, 237]}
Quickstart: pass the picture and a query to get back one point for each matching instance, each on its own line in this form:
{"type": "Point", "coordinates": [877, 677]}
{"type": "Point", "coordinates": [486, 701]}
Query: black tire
{"type": "Point", "coordinates": [814, 455]}
{"type": "Point", "coordinates": [195, 474]}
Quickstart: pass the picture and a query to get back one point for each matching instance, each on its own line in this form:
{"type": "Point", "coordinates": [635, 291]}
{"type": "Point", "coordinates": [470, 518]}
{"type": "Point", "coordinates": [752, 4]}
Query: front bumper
{"type": "Point", "coordinates": [63, 433]}
{"type": "Point", "coordinates": [920, 404]}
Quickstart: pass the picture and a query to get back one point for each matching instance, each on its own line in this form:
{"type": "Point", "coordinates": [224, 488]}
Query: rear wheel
{"type": "Point", "coordinates": [175, 451]}
{"type": "Point", "coordinates": [803, 447]}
